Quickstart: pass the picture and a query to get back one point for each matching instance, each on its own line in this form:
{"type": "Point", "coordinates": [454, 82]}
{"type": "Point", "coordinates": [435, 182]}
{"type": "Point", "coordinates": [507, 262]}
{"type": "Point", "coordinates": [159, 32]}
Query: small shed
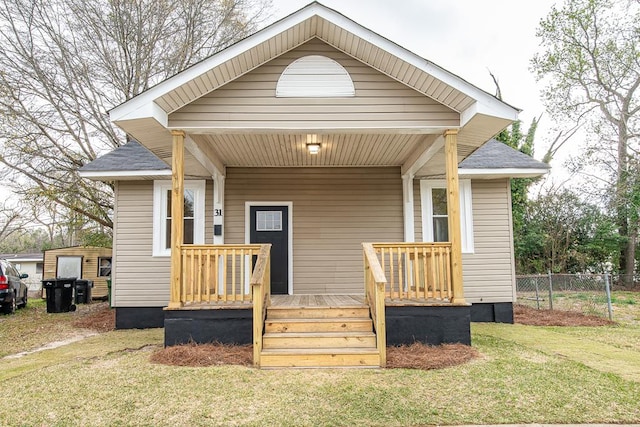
{"type": "Point", "coordinates": [84, 262]}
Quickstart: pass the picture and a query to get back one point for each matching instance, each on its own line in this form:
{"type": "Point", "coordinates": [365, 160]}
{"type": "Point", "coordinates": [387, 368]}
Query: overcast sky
{"type": "Point", "coordinates": [465, 37]}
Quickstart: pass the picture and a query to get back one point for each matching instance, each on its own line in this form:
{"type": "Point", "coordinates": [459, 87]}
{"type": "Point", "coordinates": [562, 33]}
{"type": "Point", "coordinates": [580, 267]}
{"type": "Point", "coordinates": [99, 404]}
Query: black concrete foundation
{"type": "Point", "coordinates": [139, 317]}
{"type": "Point", "coordinates": [206, 326]}
{"type": "Point", "coordinates": [498, 312]}
{"type": "Point", "coordinates": [431, 325]}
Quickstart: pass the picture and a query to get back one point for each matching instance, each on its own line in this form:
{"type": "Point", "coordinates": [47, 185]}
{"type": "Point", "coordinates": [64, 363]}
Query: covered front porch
{"type": "Point", "coordinates": [224, 294]}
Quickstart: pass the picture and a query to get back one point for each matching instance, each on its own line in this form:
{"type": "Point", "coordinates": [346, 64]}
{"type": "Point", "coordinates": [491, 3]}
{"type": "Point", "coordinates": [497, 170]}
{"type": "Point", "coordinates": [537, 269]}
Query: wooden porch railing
{"type": "Point", "coordinates": [261, 293]}
{"type": "Point", "coordinates": [418, 271]}
{"type": "Point", "coordinates": [374, 287]}
{"type": "Point", "coordinates": [216, 273]}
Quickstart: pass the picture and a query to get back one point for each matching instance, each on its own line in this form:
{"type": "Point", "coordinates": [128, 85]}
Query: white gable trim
{"type": "Point", "coordinates": [143, 105]}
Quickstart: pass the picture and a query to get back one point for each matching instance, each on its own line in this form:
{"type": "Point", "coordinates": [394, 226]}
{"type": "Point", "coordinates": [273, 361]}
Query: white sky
{"type": "Point", "coordinates": [465, 37]}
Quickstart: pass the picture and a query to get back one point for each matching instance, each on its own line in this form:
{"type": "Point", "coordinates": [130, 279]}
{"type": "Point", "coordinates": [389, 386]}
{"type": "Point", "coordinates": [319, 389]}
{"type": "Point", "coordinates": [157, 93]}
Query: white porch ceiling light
{"type": "Point", "coordinates": [313, 146]}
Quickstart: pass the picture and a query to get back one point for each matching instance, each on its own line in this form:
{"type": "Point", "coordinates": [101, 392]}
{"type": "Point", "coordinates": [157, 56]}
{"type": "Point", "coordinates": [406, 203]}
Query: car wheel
{"type": "Point", "coordinates": [11, 307]}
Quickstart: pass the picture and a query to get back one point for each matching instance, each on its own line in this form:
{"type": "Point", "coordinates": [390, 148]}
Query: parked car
{"type": "Point", "coordinates": [13, 291]}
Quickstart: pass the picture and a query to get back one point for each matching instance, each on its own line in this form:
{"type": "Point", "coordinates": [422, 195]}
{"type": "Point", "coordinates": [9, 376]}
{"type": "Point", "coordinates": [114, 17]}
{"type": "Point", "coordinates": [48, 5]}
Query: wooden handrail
{"type": "Point", "coordinates": [375, 284]}
{"type": "Point", "coordinates": [417, 271]}
{"type": "Point", "coordinates": [214, 274]}
{"type": "Point", "coordinates": [261, 293]}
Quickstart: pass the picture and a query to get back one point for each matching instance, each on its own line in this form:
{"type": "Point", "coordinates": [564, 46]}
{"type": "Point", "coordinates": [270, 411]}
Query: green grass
{"type": "Point", "coordinates": [525, 375]}
{"type": "Point", "coordinates": [108, 380]}
{"type": "Point", "coordinates": [32, 327]}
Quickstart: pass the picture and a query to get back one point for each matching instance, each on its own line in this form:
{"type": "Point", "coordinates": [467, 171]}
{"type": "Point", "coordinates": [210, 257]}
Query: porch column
{"type": "Point", "coordinates": [407, 208]}
{"type": "Point", "coordinates": [218, 209]}
{"type": "Point", "coordinates": [177, 215]}
{"type": "Point", "coordinates": [453, 213]}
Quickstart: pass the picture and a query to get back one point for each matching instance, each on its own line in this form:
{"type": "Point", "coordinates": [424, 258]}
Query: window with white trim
{"type": "Point", "coordinates": [435, 226]}
{"type": "Point", "coordinates": [194, 193]}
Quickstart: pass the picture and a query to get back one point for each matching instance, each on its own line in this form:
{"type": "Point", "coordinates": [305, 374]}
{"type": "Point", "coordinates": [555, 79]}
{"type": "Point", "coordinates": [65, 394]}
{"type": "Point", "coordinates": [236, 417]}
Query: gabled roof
{"type": "Point", "coordinates": [127, 161]}
{"type": "Point", "coordinates": [496, 159]}
{"type": "Point", "coordinates": [314, 20]}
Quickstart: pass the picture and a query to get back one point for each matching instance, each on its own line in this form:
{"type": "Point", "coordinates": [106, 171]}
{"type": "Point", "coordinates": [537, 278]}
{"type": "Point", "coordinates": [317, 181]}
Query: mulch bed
{"type": "Point", "coordinates": [97, 316]}
{"type": "Point", "coordinates": [204, 355]}
{"type": "Point", "coordinates": [425, 357]}
{"type": "Point", "coordinates": [101, 318]}
{"type": "Point", "coordinates": [414, 356]}
{"type": "Point", "coordinates": [530, 316]}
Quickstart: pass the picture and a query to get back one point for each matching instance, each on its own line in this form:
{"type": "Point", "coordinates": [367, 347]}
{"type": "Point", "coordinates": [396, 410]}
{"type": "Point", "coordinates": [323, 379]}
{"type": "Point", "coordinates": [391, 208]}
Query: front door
{"type": "Point", "coordinates": [269, 224]}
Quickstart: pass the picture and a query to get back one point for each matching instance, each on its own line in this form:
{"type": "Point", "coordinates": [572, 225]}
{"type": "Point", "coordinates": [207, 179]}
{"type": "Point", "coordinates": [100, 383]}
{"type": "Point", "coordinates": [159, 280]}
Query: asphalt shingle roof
{"type": "Point", "coordinates": [129, 157]}
{"type": "Point", "coordinates": [135, 157]}
{"type": "Point", "coordinates": [496, 155]}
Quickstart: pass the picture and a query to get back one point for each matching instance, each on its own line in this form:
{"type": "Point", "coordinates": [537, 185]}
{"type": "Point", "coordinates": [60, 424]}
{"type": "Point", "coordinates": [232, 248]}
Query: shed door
{"type": "Point", "coordinates": [269, 224]}
{"type": "Point", "coordinates": [69, 266]}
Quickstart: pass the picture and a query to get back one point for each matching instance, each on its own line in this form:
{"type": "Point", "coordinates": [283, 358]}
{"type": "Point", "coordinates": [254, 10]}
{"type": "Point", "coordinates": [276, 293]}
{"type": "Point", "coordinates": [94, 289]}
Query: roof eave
{"type": "Point", "coordinates": [120, 175]}
{"type": "Point", "coordinates": [495, 173]}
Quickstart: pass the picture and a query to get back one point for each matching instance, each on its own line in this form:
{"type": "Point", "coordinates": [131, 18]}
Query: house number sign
{"type": "Point", "coordinates": [217, 212]}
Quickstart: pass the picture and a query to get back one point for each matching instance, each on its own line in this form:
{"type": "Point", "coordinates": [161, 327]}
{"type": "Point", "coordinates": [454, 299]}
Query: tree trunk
{"type": "Point", "coordinates": [623, 202]}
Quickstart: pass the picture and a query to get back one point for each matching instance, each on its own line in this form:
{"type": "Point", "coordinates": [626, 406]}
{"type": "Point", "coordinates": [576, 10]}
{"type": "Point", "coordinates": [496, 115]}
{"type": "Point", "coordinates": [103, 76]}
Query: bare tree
{"type": "Point", "coordinates": [65, 63]}
{"type": "Point", "coordinates": [11, 221]}
{"type": "Point", "coordinates": [590, 61]}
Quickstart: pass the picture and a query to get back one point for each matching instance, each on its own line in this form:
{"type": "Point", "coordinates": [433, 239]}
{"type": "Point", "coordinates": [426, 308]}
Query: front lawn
{"type": "Point", "coordinates": [109, 380]}
{"type": "Point", "coordinates": [525, 374]}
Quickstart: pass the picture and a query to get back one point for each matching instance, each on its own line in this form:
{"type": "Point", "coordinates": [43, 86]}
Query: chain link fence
{"type": "Point", "coordinates": [588, 294]}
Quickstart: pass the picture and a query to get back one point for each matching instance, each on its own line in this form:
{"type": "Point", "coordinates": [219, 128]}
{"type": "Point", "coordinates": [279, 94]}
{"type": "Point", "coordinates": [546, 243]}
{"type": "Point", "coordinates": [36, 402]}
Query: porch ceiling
{"type": "Point", "coordinates": [337, 149]}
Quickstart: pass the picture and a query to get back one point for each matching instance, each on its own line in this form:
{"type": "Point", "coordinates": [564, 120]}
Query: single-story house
{"type": "Point", "coordinates": [329, 193]}
{"type": "Point", "coordinates": [82, 262]}
{"type": "Point", "coordinates": [28, 263]}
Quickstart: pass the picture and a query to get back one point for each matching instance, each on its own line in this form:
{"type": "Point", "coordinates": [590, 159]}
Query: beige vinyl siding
{"type": "Point", "coordinates": [488, 272]}
{"type": "Point", "coordinates": [417, 211]}
{"type": "Point", "coordinates": [140, 279]}
{"type": "Point", "coordinates": [250, 101]}
{"type": "Point", "coordinates": [334, 211]}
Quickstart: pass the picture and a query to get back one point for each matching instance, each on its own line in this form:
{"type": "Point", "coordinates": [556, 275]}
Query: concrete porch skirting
{"type": "Point", "coordinates": [207, 326]}
{"type": "Point", "coordinates": [433, 325]}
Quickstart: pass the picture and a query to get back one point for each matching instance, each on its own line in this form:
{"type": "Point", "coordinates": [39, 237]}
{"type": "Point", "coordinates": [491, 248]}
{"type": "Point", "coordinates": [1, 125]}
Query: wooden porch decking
{"type": "Point", "coordinates": [321, 300]}
{"type": "Point", "coordinates": [317, 300]}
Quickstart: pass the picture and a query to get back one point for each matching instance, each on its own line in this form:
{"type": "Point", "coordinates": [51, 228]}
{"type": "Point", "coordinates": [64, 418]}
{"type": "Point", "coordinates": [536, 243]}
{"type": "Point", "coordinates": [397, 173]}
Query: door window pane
{"type": "Point", "coordinates": [268, 221]}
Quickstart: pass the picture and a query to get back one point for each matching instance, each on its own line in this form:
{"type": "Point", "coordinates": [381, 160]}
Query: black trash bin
{"type": "Point", "coordinates": [59, 294]}
{"type": "Point", "coordinates": [83, 291]}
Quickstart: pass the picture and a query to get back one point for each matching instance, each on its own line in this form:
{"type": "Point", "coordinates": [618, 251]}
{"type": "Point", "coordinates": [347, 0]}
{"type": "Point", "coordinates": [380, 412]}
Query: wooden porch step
{"type": "Point", "coordinates": [320, 358]}
{"type": "Point", "coordinates": [343, 324]}
{"type": "Point", "coordinates": [322, 340]}
{"type": "Point", "coordinates": [286, 312]}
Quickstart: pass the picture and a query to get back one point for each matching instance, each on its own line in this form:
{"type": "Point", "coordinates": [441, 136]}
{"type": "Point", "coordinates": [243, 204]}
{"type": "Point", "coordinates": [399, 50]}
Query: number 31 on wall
{"type": "Point", "coordinates": [217, 212]}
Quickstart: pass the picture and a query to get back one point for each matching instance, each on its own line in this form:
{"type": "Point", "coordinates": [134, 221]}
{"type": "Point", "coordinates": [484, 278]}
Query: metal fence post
{"type": "Point", "coordinates": [550, 291]}
{"type": "Point", "coordinates": [537, 294]}
{"type": "Point", "coordinates": [608, 290]}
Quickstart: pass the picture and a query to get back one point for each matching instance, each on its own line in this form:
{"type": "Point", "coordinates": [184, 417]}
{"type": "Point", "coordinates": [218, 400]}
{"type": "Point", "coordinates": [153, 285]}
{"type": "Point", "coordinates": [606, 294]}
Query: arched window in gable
{"type": "Point", "coordinates": [315, 76]}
